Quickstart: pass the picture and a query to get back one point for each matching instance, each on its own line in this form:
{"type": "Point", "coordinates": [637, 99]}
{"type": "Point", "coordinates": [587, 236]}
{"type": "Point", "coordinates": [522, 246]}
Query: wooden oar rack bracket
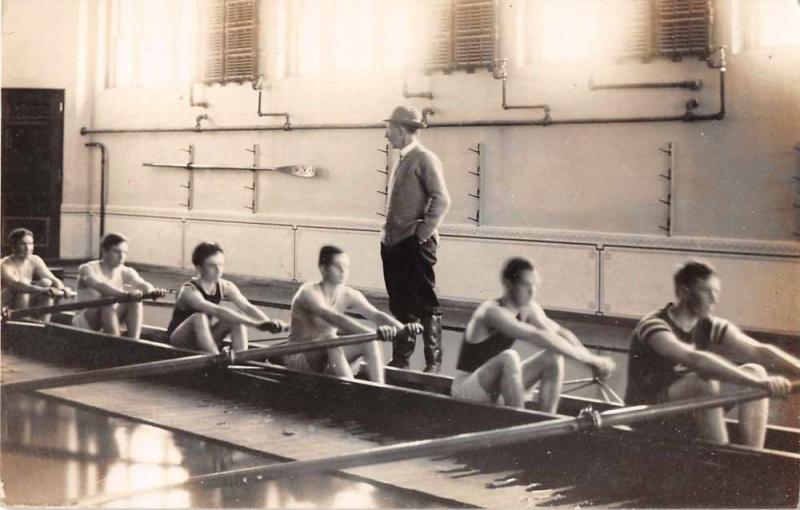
{"type": "Point", "coordinates": [385, 172]}
{"type": "Point", "coordinates": [191, 166]}
{"type": "Point", "coordinates": [479, 171]}
{"type": "Point", "coordinates": [670, 152]}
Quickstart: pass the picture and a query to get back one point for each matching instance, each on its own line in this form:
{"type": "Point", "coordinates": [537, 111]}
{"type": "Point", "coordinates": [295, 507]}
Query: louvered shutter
{"type": "Point", "coordinates": [683, 27]}
{"type": "Point", "coordinates": [635, 28]}
{"type": "Point", "coordinates": [240, 40]}
{"type": "Point", "coordinates": [463, 34]}
{"type": "Point", "coordinates": [213, 41]}
{"type": "Point", "coordinates": [230, 44]}
{"type": "Point", "coordinates": [475, 33]}
{"type": "Point", "coordinates": [440, 43]}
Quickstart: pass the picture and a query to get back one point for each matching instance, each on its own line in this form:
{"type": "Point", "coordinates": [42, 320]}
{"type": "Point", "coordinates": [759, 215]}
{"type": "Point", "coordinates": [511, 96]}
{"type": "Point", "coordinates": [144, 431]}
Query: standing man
{"type": "Point", "coordinates": [683, 351]}
{"type": "Point", "coordinates": [110, 277]}
{"type": "Point", "coordinates": [416, 204]}
{"type": "Point", "coordinates": [26, 279]}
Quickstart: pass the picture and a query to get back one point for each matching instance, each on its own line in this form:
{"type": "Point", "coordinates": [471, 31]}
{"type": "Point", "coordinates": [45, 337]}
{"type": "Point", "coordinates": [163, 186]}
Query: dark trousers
{"type": "Point", "coordinates": [410, 282]}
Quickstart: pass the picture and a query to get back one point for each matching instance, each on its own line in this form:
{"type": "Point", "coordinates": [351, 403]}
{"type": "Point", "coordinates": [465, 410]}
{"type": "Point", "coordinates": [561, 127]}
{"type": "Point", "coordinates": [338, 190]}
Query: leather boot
{"type": "Point", "coordinates": [432, 339]}
{"type": "Point", "coordinates": [403, 348]}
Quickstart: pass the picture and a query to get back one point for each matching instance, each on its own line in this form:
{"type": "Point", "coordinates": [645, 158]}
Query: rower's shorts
{"type": "Point", "coordinates": [469, 388]}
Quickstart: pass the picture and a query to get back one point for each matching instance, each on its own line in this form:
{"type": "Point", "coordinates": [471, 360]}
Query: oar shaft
{"type": "Point", "coordinates": [78, 305]}
{"type": "Point", "coordinates": [162, 367]}
{"type": "Point", "coordinates": [486, 439]}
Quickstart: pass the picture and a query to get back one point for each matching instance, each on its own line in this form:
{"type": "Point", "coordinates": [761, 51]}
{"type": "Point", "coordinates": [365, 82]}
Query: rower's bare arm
{"type": "Point", "coordinates": [241, 302]}
{"type": "Point", "coordinates": [41, 269]}
{"type": "Point", "coordinates": [316, 305]}
{"type": "Point", "coordinates": [707, 363]}
{"type": "Point", "coordinates": [11, 280]}
{"type": "Point", "coordinates": [89, 277]}
{"type": "Point", "coordinates": [602, 366]}
{"type": "Point", "coordinates": [504, 321]}
{"type": "Point", "coordinates": [360, 305]}
{"type": "Point", "coordinates": [132, 276]}
{"type": "Point", "coordinates": [195, 300]}
{"type": "Point", "coordinates": [738, 345]}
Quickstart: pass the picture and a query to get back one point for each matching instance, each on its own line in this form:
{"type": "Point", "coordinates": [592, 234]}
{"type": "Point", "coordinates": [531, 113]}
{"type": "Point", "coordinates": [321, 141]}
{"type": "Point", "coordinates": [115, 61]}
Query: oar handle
{"type": "Point", "coordinates": [80, 305]}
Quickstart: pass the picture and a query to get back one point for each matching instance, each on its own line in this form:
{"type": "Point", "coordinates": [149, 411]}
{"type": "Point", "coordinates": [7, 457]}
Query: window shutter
{"type": "Point", "coordinates": [463, 35]}
{"type": "Point", "coordinates": [440, 44]}
{"type": "Point", "coordinates": [683, 27]}
{"type": "Point", "coordinates": [241, 43]}
{"type": "Point", "coordinates": [475, 33]}
{"type": "Point", "coordinates": [230, 41]}
{"type": "Point", "coordinates": [635, 29]}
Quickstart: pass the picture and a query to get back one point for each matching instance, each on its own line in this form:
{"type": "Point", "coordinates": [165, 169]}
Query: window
{"type": "Point", "coordinates": [565, 35]}
{"type": "Point", "coordinates": [152, 43]}
{"type": "Point", "coordinates": [774, 23]}
{"type": "Point", "coordinates": [229, 43]}
{"type": "Point", "coordinates": [463, 34]}
{"type": "Point", "coordinates": [337, 37]}
{"type": "Point", "coordinates": [579, 29]}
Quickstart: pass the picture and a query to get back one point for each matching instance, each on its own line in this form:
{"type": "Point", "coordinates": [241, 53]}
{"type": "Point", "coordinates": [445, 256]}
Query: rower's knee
{"type": "Point", "coordinates": [554, 362]}
{"type": "Point", "coordinates": [755, 369]}
{"type": "Point", "coordinates": [510, 360]}
{"type": "Point", "coordinates": [45, 282]}
{"type": "Point", "coordinates": [706, 388]}
{"type": "Point", "coordinates": [199, 320]}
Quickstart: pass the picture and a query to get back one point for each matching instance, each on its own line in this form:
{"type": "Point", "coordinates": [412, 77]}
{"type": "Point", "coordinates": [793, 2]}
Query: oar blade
{"type": "Point", "coordinates": [306, 171]}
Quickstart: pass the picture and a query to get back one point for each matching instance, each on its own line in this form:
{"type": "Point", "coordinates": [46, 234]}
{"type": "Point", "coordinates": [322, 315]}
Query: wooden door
{"type": "Point", "coordinates": [32, 165]}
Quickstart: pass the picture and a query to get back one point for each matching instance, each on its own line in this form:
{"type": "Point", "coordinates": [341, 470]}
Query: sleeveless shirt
{"type": "Point", "coordinates": [181, 312]}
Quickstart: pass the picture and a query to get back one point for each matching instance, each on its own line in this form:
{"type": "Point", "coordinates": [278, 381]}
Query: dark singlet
{"type": "Point", "coordinates": [649, 373]}
{"type": "Point", "coordinates": [473, 355]}
{"type": "Point", "coordinates": [181, 313]}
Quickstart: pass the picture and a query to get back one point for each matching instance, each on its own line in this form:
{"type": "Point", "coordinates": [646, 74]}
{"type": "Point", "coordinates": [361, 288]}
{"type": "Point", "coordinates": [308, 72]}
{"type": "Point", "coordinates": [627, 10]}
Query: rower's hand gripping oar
{"type": "Point", "coordinates": [80, 305]}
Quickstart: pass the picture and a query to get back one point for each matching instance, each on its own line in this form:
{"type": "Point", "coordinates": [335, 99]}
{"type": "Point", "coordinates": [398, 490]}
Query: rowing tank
{"type": "Point", "coordinates": [602, 467]}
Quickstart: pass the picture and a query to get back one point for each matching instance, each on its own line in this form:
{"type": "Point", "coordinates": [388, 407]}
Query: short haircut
{"type": "Point", "coordinates": [112, 239]}
{"type": "Point", "coordinates": [327, 253]}
{"type": "Point", "coordinates": [691, 272]}
{"type": "Point", "coordinates": [412, 130]}
{"type": "Point", "coordinates": [204, 250]}
{"type": "Point", "coordinates": [514, 267]}
{"type": "Point", "coordinates": [17, 235]}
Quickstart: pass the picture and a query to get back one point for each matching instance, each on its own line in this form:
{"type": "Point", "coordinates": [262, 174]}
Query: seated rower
{"type": "Point", "coordinates": [488, 367]}
{"type": "Point", "coordinates": [26, 280]}
{"type": "Point", "coordinates": [318, 313]}
{"type": "Point", "coordinates": [110, 277]}
{"type": "Point", "coordinates": [682, 351]}
{"type": "Point", "coordinates": [199, 321]}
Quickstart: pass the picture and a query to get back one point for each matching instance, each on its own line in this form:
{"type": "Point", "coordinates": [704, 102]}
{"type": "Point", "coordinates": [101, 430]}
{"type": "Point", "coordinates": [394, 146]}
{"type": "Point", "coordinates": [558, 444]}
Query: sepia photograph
{"type": "Point", "coordinates": [369, 254]}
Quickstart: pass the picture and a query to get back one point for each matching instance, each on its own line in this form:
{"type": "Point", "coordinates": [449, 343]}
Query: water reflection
{"type": "Point", "coordinates": [55, 454]}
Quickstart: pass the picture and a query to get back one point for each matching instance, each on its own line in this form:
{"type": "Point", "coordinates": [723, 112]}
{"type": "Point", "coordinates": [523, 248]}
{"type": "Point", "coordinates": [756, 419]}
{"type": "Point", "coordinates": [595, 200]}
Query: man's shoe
{"type": "Point", "coordinates": [433, 369]}
{"type": "Point", "coordinates": [399, 363]}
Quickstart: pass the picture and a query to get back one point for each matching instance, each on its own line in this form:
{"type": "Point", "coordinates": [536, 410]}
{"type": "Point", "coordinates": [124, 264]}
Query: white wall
{"type": "Point", "coordinates": [558, 193]}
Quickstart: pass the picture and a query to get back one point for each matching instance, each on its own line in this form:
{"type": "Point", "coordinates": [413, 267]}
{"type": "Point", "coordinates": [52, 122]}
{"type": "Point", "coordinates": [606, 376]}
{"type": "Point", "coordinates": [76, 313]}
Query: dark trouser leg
{"type": "Point", "coordinates": [432, 339]}
{"type": "Point", "coordinates": [396, 275]}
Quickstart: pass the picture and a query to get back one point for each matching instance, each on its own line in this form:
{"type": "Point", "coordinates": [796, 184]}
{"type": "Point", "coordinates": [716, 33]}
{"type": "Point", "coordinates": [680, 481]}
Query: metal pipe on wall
{"type": "Point", "coordinates": [102, 185]}
{"type": "Point", "coordinates": [547, 120]}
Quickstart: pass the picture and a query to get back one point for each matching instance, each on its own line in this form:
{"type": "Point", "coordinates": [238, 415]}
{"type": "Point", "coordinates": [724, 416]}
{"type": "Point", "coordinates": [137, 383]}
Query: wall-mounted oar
{"type": "Point", "coordinates": [162, 367]}
{"type": "Point", "coordinates": [587, 421]}
{"type": "Point", "coordinates": [78, 305]}
{"type": "Point", "coordinates": [293, 170]}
